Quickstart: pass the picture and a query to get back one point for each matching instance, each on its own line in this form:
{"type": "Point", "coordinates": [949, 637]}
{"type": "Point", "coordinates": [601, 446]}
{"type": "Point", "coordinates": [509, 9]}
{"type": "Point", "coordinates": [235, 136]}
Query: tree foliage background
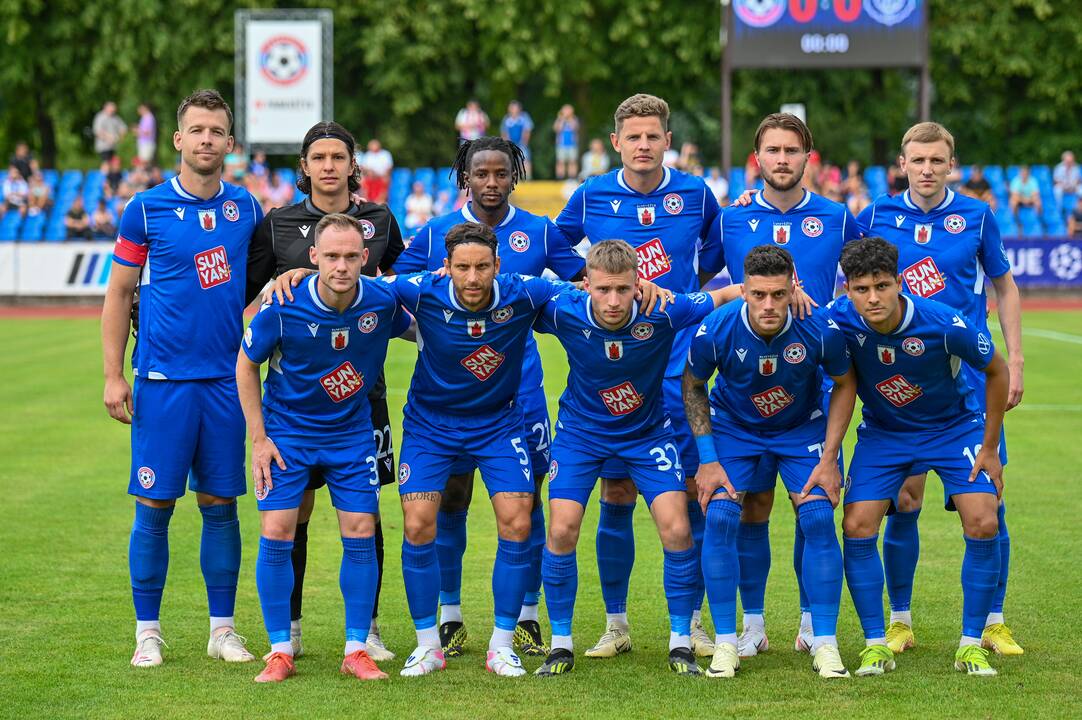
{"type": "Point", "coordinates": [1007, 74]}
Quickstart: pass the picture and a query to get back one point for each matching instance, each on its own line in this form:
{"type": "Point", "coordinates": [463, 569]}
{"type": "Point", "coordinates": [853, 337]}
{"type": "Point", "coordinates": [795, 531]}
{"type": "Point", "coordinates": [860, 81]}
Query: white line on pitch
{"type": "Point", "coordinates": [1053, 335]}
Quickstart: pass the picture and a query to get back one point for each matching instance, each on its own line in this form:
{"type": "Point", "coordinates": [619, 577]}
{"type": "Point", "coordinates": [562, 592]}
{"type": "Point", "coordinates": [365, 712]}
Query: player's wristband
{"type": "Point", "coordinates": [707, 452]}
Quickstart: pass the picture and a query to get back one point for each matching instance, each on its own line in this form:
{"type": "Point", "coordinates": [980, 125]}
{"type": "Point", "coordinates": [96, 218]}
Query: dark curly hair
{"type": "Point", "coordinates": [323, 131]}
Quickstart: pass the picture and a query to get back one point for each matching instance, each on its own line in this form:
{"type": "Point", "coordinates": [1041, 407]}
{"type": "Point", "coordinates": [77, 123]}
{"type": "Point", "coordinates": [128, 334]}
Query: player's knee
{"type": "Point", "coordinates": [618, 491]}
{"type": "Point", "coordinates": [516, 527]}
{"type": "Point", "coordinates": [675, 532]}
{"type": "Point", "coordinates": [756, 507]}
{"type": "Point", "coordinates": [457, 494]}
{"type": "Point", "coordinates": [417, 530]}
{"type": "Point", "coordinates": [857, 526]}
{"type": "Point", "coordinates": [981, 525]}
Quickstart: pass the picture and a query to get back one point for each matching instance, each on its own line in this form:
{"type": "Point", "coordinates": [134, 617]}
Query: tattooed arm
{"type": "Point", "coordinates": [711, 475]}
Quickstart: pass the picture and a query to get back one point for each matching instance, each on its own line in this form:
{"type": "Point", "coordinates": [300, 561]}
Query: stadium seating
{"type": "Point", "coordinates": [32, 228]}
{"type": "Point", "coordinates": [9, 225]}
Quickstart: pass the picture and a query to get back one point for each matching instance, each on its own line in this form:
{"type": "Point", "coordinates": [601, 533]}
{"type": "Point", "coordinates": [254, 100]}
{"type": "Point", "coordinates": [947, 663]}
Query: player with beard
{"type": "Point", "coordinates": [328, 174]}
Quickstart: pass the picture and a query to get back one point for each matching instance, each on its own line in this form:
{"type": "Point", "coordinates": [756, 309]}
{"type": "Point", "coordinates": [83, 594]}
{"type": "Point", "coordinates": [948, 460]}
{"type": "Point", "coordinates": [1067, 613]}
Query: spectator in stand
{"type": "Point", "coordinates": [897, 181]}
{"type": "Point", "coordinates": [830, 182]}
{"type": "Point", "coordinates": [978, 187]}
{"type": "Point", "coordinates": [376, 165]}
{"type": "Point", "coordinates": [856, 193]}
{"type": "Point", "coordinates": [138, 179]}
{"type": "Point", "coordinates": [39, 199]}
{"type": "Point", "coordinates": [108, 129]}
{"type": "Point", "coordinates": [471, 122]}
{"type": "Point", "coordinates": [566, 129]}
{"type": "Point", "coordinates": [236, 165]}
{"type": "Point", "coordinates": [23, 160]}
{"type": "Point", "coordinates": [719, 186]}
{"type": "Point", "coordinates": [852, 169]}
{"type": "Point", "coordinates": [114, 176]}
{"type": "Point", "coordinates": [146, 136]}
{"type": "Point", "coordinates": [77, 221]}
{"type": "Point", "coordinates": [517, 126]}
{"type": "Point", "coordinates": [670, 158]}
{"type": "Point", "coordinates": [418, 208]}
{"type": "Point", "coordinates": [1025, 192]}
{"type": "Point", "coordinates": [279, 193]}
{"type": "Point", "coordinates": [1074, 219]}
{"type": "Point", "coordinates": [813, 171]}
{"type": "Point", "coordinates": [595, 161]}
{"type": "Point", "coordinates": [16, 191]}
{"type": "Point", "coordinates": [442, 205]}
{"type": "Point", "coordinates": [1066, 177]}
{"type": "Point", "coordinates": [689, 159]}
{"type": "Point", "coordinates": [259, 165]}
{"type": "Point", "coordinates": [103, 222]}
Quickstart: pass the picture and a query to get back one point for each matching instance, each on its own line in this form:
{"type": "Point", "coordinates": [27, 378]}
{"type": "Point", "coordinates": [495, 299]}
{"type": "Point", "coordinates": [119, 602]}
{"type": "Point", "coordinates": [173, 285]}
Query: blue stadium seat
{"type": "Point", "coordinates": [400, 176]}
{"type": "Point", "coordinates": [51, 177]}
{"type": "Point", "coordinates": [9, 226]}
{"type": "Point", "coordinates": [1005, 222]}
{"type": "Point", "coordinates": [1012, 172]}
{"type": "Point", "coordinates": [288, 175]}
{"type": "Point", "coordinates": [56, 232]}
{"type": "Point", "coordinates": [1030, 222]}
{"type": "Point", "coordinates": [994, 175]}
{"type": "Point", "coordinates": [3, 176]}
{"type": "Point", "coordinates": [32, 228]}
{"type": "Point", "coordinates": [1055, 228]}
{"type": "Point", "coordinates": [736, 182]}
{"type": "Point", "coordinates": [169, 174]}
{"type": "Point", "coordinates": [1043, 173]}
{"type": "Point", "coordinates": [875, 177]}
{"type": "Point", "coordinates": [425, 175]}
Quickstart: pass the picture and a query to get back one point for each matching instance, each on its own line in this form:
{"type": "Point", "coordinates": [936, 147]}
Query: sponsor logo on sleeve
{"type": "Point", "coordinates": [645, 214]}
{"type": "Point", "coordinates": [483, 362]}
{"type": "Point", "coordinates": [367, 322]}
{"type": "Point", "coordinates": [954, 224]}
{"type": "Point", "coordinates": [519, 241]}
{"type": "Point", "coordinates": [653, 260]}
{"type": "Point", "coordinates": [812, 226]}
{"type": "Point", "coordinates": [795, 353]}
{"type": "Point", "coordinates": [923, 278]}
{"type": "Point", "coordinates": [342, 382]}
{"type": "Point", "coordinates": [913, 346]}
{"type": "Point", "coordinates": [781, 233]}
{"type": "Point", "coordinates": [885, 353]}
{"type": "Point", "coordinates": [213, 267]}
{"type": "Point", "coordinates": [768, 365]}
{"type": "Point", "coordinates": [772, 401]}
{"type": "Point", "coordinates": [673, 203]}
{"type": "Point", "coordinates": [230, 211]}
{"type": "Point", "coordinates": [340, 338]}
{"type": "Point", "coordinates": [898, 391]}
{"type": "Point", "coordinates": [642, 331]}
{"type": "Point", "coordinates": [622, 399]}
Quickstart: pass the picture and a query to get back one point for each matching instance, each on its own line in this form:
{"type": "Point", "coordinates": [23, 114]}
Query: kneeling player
{"type": "Point", "coordinates": [919, 412]}
{"type": "Point", "coordinates": [316, 409]}
{"type": "Point", "coordinates": [767, 404]}
{"type": "Point", "coordinates": [614, 391]}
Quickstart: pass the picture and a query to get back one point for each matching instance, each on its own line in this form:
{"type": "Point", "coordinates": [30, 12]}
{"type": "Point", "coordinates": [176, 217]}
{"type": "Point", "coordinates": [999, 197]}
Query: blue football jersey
{"type": "Point", "coordinates": [666, 227]}
{"type": "Point", "coordinates": [469, 363]}
{"type": "Point", "coordinates": [813, 231]}
{"type": "Point", "coordinates": [614, 382]}
{"type": "Point", "coordinates": [771, 384]}
{"type": "Point", "coordinates": [191, 294]}
{"type": "Point", "coordinates": [944, 254]}
{"type": "Point", "coordinates": [323, 363]}
{"type": "Point", "coordinates": [910, 379]}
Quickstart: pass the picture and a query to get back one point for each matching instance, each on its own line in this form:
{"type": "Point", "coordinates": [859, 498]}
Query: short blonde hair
{"type": "Point", "coordinates": [612, 256]}
{"type": "Point", "coordinates": [642, 105]}
{"type": "Point", "coordinates": [928, 132]}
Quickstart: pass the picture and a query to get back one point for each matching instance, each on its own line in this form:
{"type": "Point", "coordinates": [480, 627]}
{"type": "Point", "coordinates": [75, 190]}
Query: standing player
{"type": "Point", "coordinates": [767, 403]}
{"type": "Point", "coordinates": [617, 361]}
{"type": "Point", "coordinates": [948, 244]}
{"type": "Point", "coordinates": [324, 348]}
{"type": "Point", "coordinates": [488, 169]}
{"type": "Point", "coordinates": [664, 214]}
{"type": "Point", "coordinates": [813, 230]}
{"type": "Point", "coordinates": [919, 412]}
{"type": "Point", "coordinates": [183, 243]}
{"type": "Point", "coordinates": [328, 174]}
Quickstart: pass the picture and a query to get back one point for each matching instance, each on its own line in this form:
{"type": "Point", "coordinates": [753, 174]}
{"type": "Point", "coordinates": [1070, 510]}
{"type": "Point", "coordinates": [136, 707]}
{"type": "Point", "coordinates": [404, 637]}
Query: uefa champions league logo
{"type": "Point", "coordinates": [1065, 261]}
{"type": "Point", "coordinates": [759, 13]}
{"type": "Point", "coordinates": [890, 12]}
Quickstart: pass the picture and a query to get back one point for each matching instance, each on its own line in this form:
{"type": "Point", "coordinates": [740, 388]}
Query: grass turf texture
{"type": "Point", "coordinates": [67, 620]}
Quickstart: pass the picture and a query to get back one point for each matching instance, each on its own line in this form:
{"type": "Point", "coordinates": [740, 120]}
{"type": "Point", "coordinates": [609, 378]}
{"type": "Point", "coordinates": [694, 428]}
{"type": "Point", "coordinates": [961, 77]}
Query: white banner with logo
{"type": "Point", "coordinates": [52, 269]}
{"type": "Point", "coordinates": [7, 269]}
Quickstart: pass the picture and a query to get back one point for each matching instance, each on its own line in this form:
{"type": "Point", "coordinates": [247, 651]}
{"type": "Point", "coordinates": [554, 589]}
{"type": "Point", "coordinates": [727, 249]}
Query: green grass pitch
{"type": "Point", "coordinates": [66, 630]}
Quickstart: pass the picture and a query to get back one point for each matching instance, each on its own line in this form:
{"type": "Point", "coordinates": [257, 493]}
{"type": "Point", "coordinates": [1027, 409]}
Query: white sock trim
{"type": "Point", "coordinates": [450, 613]}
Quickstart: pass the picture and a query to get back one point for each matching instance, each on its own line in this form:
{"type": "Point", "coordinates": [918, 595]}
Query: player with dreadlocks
{"type": "Point", "coordinates": [488, 170]}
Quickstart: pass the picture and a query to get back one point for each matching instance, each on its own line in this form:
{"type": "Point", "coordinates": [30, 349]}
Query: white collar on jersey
{"type": "Point", "coordinates": [664, 182]}
{"type": "Point", "coordinates": [458, 306]}
{"type": "Point", "coordinates": [907, 317]}
{"type": "Point", "coordinates": [947, 199]}
{"type": "Point", "coordinates": [175, 183]}
{"type": "Point", "coordinates": [470, 217]}
{"type": "Point", "coordinates": [747, 323]}
{"type": "Point", "coordinates": [761, 201]}
{"type": "Point", "coordinates": [314, 292]}
{"type": "Point", "coordinates": [590, 315]}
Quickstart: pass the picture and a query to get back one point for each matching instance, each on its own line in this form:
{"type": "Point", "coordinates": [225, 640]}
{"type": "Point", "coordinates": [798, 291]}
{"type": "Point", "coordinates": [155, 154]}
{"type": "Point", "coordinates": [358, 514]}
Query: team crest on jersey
{"type": "Point", "coordinates": [885, 353]}
{"type": "Point", "coordinates": [340, 338]}
{"type": "Point", "coordinates": [213, 267]}
{"type": "Point", "coordinates": [230, 211]}
{"type": "Point", "coordinates": [913, 346]}
{"type": "Point", "coordinates": [367, 322]}
{"type": "Point", "coordinates": [403, 473]}
{"type": "Point", "coordinates": [812, 226]}
{"type": "Point", "coordinates": [207, 219]}
{"type": "Point", "coordinates": [483, 362]}
{"type": "Point", "coordinates": [519, 241]}
{"type": "Point", "coordinates": [794, 353]}
{"type": "Point", "coordinates": [890, 12]}
{"type": "Point", "coordinates": [554, 468]}
{"type": "Point", "coordinates": [898, 391]}
{"type": "Point", "coordinates": [621, 399]}
{"type": "Point", "coordinates": [645, 214]}
{"type": "Point", "coordinates": [923, 278]}
{"type": "Point", "coordinates": [781, 233]}
{"type": "Point", "coordinates": [653, 261]}
{"type": "Point", "coordinates": [146, 477]}
{"type": "Point", "coordinates": [642, 331]}
{"type": "Point", "coordinates": [922, 233]}
{"type": "Point", "coordinates": [502, 315]}
{"type": "Point", "coordinates": [768, 365]}
{"type": "Point", "coordinates": [342, 382]}
{"type": "Point", "coordinates": [368, 230]}
{"type": "Point", "coordinates": [954, 224]}
{"type": "Point", "coordinates": [759, 13]}
{"type": "Point", "coordinates": [614, 349]}
{"type": "Point", "coordinates": [772, 401]}
{"type": "Point", "coordinates": [673, 203]}
{"type": "Point", "coordinates": [475, 328]}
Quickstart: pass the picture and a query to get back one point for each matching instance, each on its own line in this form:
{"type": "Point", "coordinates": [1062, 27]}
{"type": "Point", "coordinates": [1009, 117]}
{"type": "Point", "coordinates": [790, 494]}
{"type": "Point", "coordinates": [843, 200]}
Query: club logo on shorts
{"type": "Point", "coordinates": [621, 399]}
{"type": "Point", "coordinates": [475, 328]}
{"type": "Point", "coordinates": [368, 230]}
{"type": "Point", "coordinates": [502, 315]}
{"type": "Point", "coordinates": [922, 233]}
{"type": "Point", "coordinates": [913, 346]}
{"type": "Point", "coordinates": [885, 353]}
{"type": "Point", "coordinates": [923, 278]}
{"type": "Point", "coordinates": [614, 349]}
{"type": "Point", "coordinates": [207, 219]}
{"type": "Point", "coordinates": [954, 224]}
{"type": "Point", "coordinates": [781, 233]}
{"type": "Point", "coordinates": [367, 322]}
{"type": "Point", "coordinates": [213, 267]}
{"type": "Point", "coordinates": [759, 13]}
{"type": "Point", "coordinates": [483, 362]}
{"type": "Point", "coordinates": [812, 227]}
{"type": "Point", "coordinates": [403, 473]}
{"type": "Point", "coordinates": [519, 241]}
{"type": "Point", "coordinates": [768, 364]}
{"type": "Point", "coordinates": [340, 338]}
{"type": "Point", "coordinates": [146, 477]}
{"type": "Point", "coordinates": [653, 260]}
{"type": "Point", "coordinates": [898, 391]}
{"type": "Point", "coordinates": [554, 467]}
{"type": "Point", "coordinates": [642, 331]}
{"type": "Point", "coordinates": [230, 211]}
{"type": "Point", "coordinates": [673, 203]}
{"type": "Point", "coordinates": [342, 382]}
{"type": "Point", "coordinates": [772, 401]}
{"type": "Point", "coordinates": [646, 214]}
{"type": "Point", "coordinates": [262, 491]}
{"type": "Point", "coordinates": [794, 353]}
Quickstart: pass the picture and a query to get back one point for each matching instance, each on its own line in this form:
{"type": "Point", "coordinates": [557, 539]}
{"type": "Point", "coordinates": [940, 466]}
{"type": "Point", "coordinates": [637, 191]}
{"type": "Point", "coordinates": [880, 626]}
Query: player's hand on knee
{"type": "Point", "coordinates": [988, 460]}
{"type": "Point", "coordinates": [283, 285]}
{"type": "Point", "coordinates": [264, 452]}
{"type": "Point", "coordinates": [801, 303]}
{"type": "Point", "coordinates": [653, 297]}
{"type": "Point", "coordinates": [118, 400]}
{"type": "Point", "coordinates": [826, 476]}
{"type": "Point", "coordinates": [709, 478]}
